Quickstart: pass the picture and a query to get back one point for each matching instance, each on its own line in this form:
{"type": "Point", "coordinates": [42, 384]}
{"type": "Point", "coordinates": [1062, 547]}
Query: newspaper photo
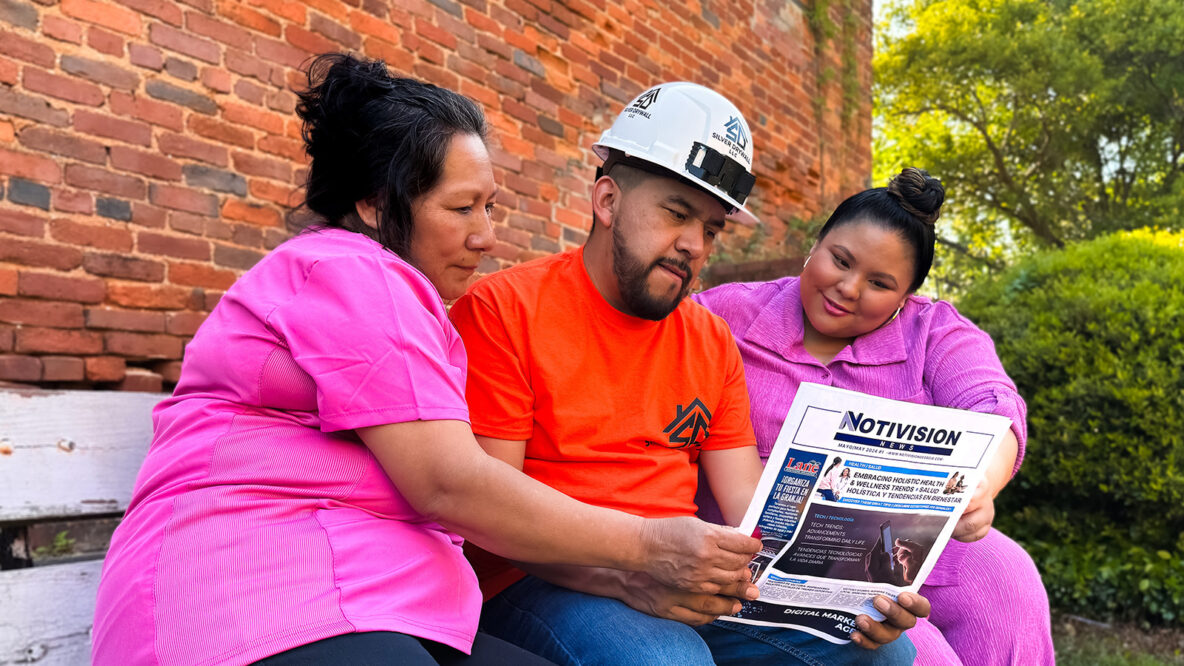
{"type": "Point", "coordinates": [858, 498]}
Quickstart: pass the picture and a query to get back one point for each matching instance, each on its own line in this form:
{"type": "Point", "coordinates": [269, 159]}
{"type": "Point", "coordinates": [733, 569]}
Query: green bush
{"type": "Point", "coordinates": [1093, 335]}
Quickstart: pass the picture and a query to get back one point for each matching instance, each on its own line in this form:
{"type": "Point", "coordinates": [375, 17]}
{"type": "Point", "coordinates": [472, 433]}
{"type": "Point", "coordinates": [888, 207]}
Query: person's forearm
{"type": "Point", "coordinates": [999, 470]}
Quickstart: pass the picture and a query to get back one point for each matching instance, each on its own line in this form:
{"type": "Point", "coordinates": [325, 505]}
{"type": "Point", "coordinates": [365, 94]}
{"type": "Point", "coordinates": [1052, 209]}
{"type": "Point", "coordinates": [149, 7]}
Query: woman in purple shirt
{"type": "Point", "coordinates": [852, 320]}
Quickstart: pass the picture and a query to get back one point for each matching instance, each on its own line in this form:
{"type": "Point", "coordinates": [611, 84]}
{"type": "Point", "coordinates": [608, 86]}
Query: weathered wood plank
{"type": "Point", "coordinates": [46, 614]}
{"type": "Point", "coordinates": [71, 453]}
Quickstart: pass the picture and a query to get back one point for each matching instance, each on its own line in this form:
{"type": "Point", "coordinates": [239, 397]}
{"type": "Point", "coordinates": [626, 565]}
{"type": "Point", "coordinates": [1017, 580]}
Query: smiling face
{"type": "Point", "coordinates": [451, 225]}
{"type": "Point", "coordinates": [854, 281]}
{"type": "Point", "coordinates": [663, 231]}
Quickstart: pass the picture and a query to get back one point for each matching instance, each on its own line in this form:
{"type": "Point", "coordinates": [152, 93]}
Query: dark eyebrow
{"type": "Point", "coordinates": [688, 207]}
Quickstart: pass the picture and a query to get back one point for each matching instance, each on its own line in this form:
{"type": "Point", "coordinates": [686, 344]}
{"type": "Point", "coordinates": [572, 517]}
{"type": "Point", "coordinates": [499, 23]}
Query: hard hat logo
{"type": "Point", "coordinates": [691, 131]}
{"type": "Point", "coordinates": [647, 98]}
{"type": "Point", "coordinates": [735, 128]}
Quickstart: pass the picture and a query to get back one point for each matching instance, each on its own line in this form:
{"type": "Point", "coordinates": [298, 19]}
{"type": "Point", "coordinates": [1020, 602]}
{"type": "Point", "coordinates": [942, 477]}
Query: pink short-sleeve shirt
{"type": "Point", "coordinates": [259, 521]}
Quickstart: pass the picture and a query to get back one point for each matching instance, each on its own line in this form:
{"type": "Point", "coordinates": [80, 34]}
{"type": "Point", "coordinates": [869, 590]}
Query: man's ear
{"type": "Point", "coordinates": [368, 213]}
{"type": "Point", "coordinates": [606, 196]}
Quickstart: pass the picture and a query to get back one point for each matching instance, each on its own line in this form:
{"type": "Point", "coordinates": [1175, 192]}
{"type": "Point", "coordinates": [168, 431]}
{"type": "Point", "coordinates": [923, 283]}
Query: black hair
{"type": "Point", "coordinates": [376, 137]}
{"type": "Point", "coordinates": [910, 206]}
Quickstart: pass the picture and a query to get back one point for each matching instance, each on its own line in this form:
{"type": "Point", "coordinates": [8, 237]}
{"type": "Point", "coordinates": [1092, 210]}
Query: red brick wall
{"type": "Point", "coordinates": [148, 148]}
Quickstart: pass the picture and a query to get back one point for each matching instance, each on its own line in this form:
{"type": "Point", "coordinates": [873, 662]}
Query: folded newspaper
{"type": "Point", "coordinates": [858, 498]}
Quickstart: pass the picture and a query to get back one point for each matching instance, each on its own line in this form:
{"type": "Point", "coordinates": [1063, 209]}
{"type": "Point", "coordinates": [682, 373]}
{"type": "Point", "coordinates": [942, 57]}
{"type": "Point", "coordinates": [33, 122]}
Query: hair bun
{"type": "Point", "coordinates": [920, 194]}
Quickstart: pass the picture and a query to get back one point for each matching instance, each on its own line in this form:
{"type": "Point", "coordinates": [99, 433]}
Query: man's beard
{"type": "Point", "coordinates": [632, 277]}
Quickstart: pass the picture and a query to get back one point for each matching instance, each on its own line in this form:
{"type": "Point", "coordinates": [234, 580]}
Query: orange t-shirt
{"type": "Point", "coordinates": [614, 409]}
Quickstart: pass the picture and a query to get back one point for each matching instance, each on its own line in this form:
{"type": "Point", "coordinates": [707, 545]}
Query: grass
{"type": "Point", "coordinates": [1082, 642]}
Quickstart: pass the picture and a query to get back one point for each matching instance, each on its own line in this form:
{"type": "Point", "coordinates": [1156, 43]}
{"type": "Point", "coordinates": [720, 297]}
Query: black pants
{"type": "Point", "coordinates": [381, 648]}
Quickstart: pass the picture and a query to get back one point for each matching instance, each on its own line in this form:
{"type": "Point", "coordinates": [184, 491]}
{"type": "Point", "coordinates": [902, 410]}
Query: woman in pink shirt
{"type": "Point", "coordinates": [852, 320]}
{"type": "Point", "coordinates": [308, 479]}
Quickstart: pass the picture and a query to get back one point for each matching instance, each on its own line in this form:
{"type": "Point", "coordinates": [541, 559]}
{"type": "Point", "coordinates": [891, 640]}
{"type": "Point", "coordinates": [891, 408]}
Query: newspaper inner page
{"type": "Point", "coordinates": [858, 498]}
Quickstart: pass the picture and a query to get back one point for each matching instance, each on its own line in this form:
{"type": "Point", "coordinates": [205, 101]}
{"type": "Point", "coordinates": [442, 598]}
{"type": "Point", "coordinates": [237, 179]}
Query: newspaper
{"type": "Point", "coordinates": [858, 498]}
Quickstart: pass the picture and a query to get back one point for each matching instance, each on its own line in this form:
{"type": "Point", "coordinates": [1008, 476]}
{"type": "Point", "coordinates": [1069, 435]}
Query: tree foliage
{"type": "Point", "coordinates": [1049, 121]}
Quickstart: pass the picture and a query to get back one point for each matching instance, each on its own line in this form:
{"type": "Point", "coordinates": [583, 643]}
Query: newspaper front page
{"type": "Point", "coordinates": [858, 498]}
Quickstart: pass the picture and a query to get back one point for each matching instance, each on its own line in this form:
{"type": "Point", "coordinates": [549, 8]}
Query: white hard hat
{"type": "Point", "coordinates": [690, 130]}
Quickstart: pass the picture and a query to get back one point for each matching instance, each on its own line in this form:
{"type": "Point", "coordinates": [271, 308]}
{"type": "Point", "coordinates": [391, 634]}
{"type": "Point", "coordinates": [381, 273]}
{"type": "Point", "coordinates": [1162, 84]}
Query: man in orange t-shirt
{"type": "Point", "coordinates": [590, 372]}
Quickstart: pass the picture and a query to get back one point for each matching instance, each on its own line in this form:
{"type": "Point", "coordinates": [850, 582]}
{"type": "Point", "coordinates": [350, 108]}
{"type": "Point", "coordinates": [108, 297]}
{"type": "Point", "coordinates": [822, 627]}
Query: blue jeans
{"type": "Point", "coordinates": [581, 629]}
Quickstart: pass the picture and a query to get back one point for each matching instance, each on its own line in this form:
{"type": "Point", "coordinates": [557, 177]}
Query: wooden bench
{"type": "Point", "coordinates": [68, 460]}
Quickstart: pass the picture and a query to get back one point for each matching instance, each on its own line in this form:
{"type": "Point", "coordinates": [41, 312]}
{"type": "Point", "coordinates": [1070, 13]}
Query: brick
{"type": "Point", "coordinates": [113, 128]}
{"type": "Point", "coordinates": [177, 95]}
{"type": "Point", "coordinates": [369, 25]}
{"type": "Point", "coordinates": [56, 27]}
{"type": "Point", "coordinates": [291, 149]}
{"type": "Point", "coordinates": [102, 236]}
{"type": "Point", "coordinates": [218, 80]}
{"type": "Point", "coordinates": [114, 209]}
{"type": "Point", "coordinates": [245, 235]}
{"type": "Point", "coordinates": [254, 165]}
{"type": "Point", "coordinates": [30, 312]}
{"type": "Point", "coordinates": [236, 257]}
{"type": "Point", "coordinates": [20, 368]}
{"type": "Point", "coordinates": [56, 341]}
{"type": "Point", "coordinates": [27, 50]}
{"type": "Point", "coordinates": [150, 111]}
{"type": "Point", "coordinates": [125, 320]}
{"type": "Point", "coordinates": [62, 287]}
{"type": "Point", "coordinates": [169, 371]}
{"type": "Point", "coordinates": [27, 193]}
{"type": "Point", "coordinates": [119, 19]}
{"type": "Point", "coordinates": [180, 69]}
{"type": "Point", "coordinates": [280, 53]}
{"type": "Point", "coordinates": [265, 216]}
{"type": "Point", "coordinates": [173, 246]}
{"type": "Point", "coordinates": [249, 92]}
{"type": "Point", "coordinates": [33, 108]}
{"type": "Point", "coordinates": [8, 281]}
{"type": "Point", "coordinates": [9, 71]}
{"type": "Point", "coordinates": [6, 334]}
{"type": "Point", "coordinates": [184, 323]}
{"type": "Point", "coordinates": [148, 216]}
{"type": "Point", "coordinates": [146, 56]}
{"type": "Point", "coordinates": [22, 224]}
{"type": "Point", "coordinates": [217, 130]}
{"type": "Point", "coordinates": [140, 380]}
{"type": "Point", "coordinates": [178, 145]}
{"type": "Point", "coordinates": [180, 198]}
{"type": "Point", "coordinates": [62, 87]}
{"type": "Point", "coordinates": [38, 253]}
{"type": "Point", "coordinates": [227, 33]}
{"type": "Point", "coordinates": [241, 114]}
{"type": "Point", "coordinates": [200, 275]}
{"type": "Point", "coordinates": [62, 369]}
{"type": "Point", "coordinates": [249, 18]}
{"type": "Point", "coordinates": [281, 194]}
{"type": "Point", "coordinates": [197, 175]}
{"type": "Point", "coordinates": [145, 163]}
{"type": "Point", "coordinates": [177, 41]}
{"type": "Point", "coordinates": [29, 166]}
{"type": "Point", "coordinates": [335, 31]}
{"type": "Point", "coordinates": [152, 297]}
{"type": "Point", "coordinates": [166, 11]}
{"type": "Point", "coordinates": [101, 180]}
{"type": "Point", "coordinates": [141, 345]}
{"type": "Point", "coordinates": [124, 267]}
{"type": "Point", "coordinates": [210, 299]}
{"type": "Point", "coordinates": [19, 14]}
{"type": "Point", "coordinates": [49, 141]}
{"type": "Point", "coordinates": [73, 201]}
{"type": "Point", "coordinates": [285, 102]}
{"type": "Point", "coordinates": [7, 132]}
{"type": "Point", "coordinates": [198, 225]}
{"type": "Point", "coordinates": [247, 65]}
{"type": "Point", "coordinates": [100, 72]}
{"type": "Point", "coordinates": [104, 368]}
{"type": "Point", "coordinates": [104, 42]}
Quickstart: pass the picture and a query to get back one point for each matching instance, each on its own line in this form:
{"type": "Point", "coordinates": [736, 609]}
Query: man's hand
{"type": "Point", "coordinates": [909, 555]}
{"type": "Point", "coordinates": [642, 593]}
{"type": "Point", "coordinates": [693, 556]}
{"type": "Point", "coordinates": [899, 616]}
{"type": "Point", "coordinates": [976, 521]}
